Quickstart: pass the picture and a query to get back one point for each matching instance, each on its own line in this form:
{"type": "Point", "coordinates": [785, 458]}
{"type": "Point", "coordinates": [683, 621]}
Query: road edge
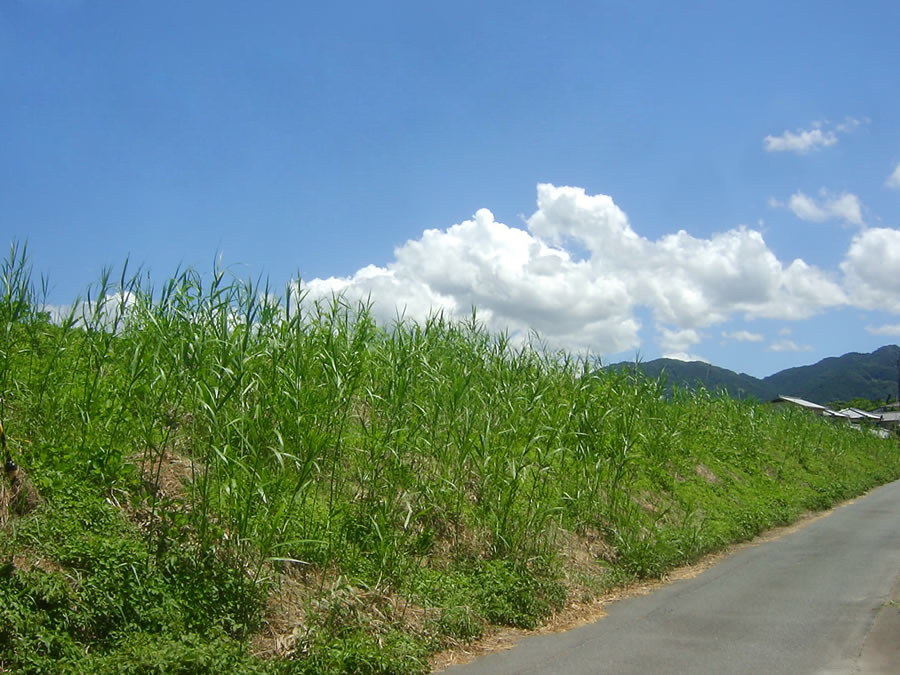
{"type": "Point", "coordinates": [881, 648]}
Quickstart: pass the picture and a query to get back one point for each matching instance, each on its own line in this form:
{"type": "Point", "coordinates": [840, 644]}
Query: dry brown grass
{"type": "Point", "coordinates": [18, 496]}
{"type": "Point", "coordinates": [707, 474]}
{"type": "Point", "coordinates": [285, 616]}
{"type": "Point", "coordinates": [26, 561]}
{"type": "Point", "coordinates": [167, 476]}
{"type": "Point", "coordinates": [302, 598]}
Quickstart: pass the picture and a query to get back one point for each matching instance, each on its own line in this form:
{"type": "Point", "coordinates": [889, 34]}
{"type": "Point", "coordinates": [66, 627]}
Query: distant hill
{"type": "Point", "coordinates": [694, 373]}
{"type": "Point", "coordinates": [854, 375]}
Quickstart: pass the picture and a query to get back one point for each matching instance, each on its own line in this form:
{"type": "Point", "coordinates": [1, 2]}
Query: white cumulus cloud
{"type": "Point", "coordinates": [109, 312]}
{"type": "Point", "coordinates": [850, 123]}
{"type": "Point", "coordinates": [893, 181]}
{"type": "Point", "coordinates": [788, 346]}
{"type": "Point", "coordinates": [684, 356]}
{"type": "Point", "coordinates": [675, 343]}
{"type": "Point", "coordinates": [805, 140]}
{"type": "Point", "coordinates": [577, 273]}
{"type": "Point", "coordinates": [871, 269]}
{"type": "Point", "coordinates": [806, 208]}
{"type": "Point", "coordinates": [743, 336]}
{"type": "Point", "coordinates": [887, 329]}
{"type": "Point", "coordinates": [844, 207]}
{"type": "Point", "coordinates": [801, 141]}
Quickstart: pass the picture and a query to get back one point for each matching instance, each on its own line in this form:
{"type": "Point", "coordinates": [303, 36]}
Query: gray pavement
{"type": "Point", "coordinates": [819, 600]}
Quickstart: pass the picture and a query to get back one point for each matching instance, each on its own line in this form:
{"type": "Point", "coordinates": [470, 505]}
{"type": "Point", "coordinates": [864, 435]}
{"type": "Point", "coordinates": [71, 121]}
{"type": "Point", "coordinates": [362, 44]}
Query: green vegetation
{"type": "Point", "coordinates": [870, 376]}
{"type": "Point", "coordinates": [212, 478]}
{"type": "Point", "coordinates": [858, 403]}
{"type": "Point", "coordinates": [697, 374]}
{"type": "Point", "coordinates": [835, 379]}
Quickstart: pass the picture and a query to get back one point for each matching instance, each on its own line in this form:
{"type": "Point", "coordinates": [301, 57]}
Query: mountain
{"type": "Point", "coordinates": [692, 373]}
{"type": "Point", "coordinates": [854, 375]}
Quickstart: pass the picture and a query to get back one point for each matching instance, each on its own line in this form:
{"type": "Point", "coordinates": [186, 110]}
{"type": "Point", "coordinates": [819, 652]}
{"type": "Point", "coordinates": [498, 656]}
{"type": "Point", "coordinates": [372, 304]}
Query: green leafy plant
{"type": "Point", "coordinates": [202, 445]}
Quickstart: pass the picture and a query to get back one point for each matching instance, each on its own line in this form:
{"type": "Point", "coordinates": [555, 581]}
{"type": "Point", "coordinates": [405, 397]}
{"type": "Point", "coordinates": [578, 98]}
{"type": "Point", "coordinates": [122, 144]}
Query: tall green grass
{"type": "Point", "coordinates": [434, 460]}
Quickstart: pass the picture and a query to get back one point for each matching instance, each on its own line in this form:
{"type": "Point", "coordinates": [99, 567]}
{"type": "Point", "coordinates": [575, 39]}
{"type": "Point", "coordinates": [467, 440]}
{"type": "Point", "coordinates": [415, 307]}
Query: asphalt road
{"type": "Point", "coordinates": [822, 599]}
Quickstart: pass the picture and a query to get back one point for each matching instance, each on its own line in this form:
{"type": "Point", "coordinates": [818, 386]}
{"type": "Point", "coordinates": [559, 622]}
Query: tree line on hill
{"type": "Point", "coordinates": [852, 380]}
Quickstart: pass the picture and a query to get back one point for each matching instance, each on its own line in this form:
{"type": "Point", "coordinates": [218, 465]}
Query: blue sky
{"type": "Point", "coordinates": [697, 179]}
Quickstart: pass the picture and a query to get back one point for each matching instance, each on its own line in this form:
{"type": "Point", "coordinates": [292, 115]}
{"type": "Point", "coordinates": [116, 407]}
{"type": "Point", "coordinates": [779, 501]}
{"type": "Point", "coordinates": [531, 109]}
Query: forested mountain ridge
{"type": "Point", "coordinates": [838, 378]}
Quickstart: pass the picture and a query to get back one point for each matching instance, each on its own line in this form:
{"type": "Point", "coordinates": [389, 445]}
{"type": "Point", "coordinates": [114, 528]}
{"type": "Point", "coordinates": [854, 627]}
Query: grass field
{"type": "Point", "coordinates": [214, 476]}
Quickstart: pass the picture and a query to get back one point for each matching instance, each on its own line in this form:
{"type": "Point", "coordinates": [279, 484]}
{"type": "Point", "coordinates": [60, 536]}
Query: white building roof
{"type": "Point", "coordinates": [802, 402]}
{"type": "Point", "coordinates": [857, 414]}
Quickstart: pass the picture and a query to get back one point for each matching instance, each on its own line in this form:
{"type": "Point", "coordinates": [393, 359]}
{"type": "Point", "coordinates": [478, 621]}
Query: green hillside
{"type": "Point", "coordinates": [211, 478]}
{"type": "Point", "coordinates": [693, 374]}
{"type": "Point", "coordinates": [854, 375]}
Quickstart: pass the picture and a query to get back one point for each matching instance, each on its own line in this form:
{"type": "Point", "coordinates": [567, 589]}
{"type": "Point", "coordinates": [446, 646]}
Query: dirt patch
{"type": "Point", "coordinates": [167, 476]}
{"type": "Point", "coordinates": [458, 540]}
{"type": "Point", "coordinates": [581, 555]}
{"type": "Point", "coordinates": [580, 613]}
{"type": "Point", "coordinates": [18, 496]}
{"type": "Point", "coordinates": [306, 600]}
{"type": "Point", "coordinates": [649, 502]}
{"type": "Point", "coordinates": [706, 474]}
{"type": "Point", "coordinates": [166, 481]}
{"type": "Point", "coordinates": [27, 561]}
{"type": "Point", "coordinates": [285, 617]}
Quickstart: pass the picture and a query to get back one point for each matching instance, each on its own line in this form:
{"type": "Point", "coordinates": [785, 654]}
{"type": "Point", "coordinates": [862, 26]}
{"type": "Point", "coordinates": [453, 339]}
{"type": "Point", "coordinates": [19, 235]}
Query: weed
{"type": "Point", "coordinates": [188, 441]}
